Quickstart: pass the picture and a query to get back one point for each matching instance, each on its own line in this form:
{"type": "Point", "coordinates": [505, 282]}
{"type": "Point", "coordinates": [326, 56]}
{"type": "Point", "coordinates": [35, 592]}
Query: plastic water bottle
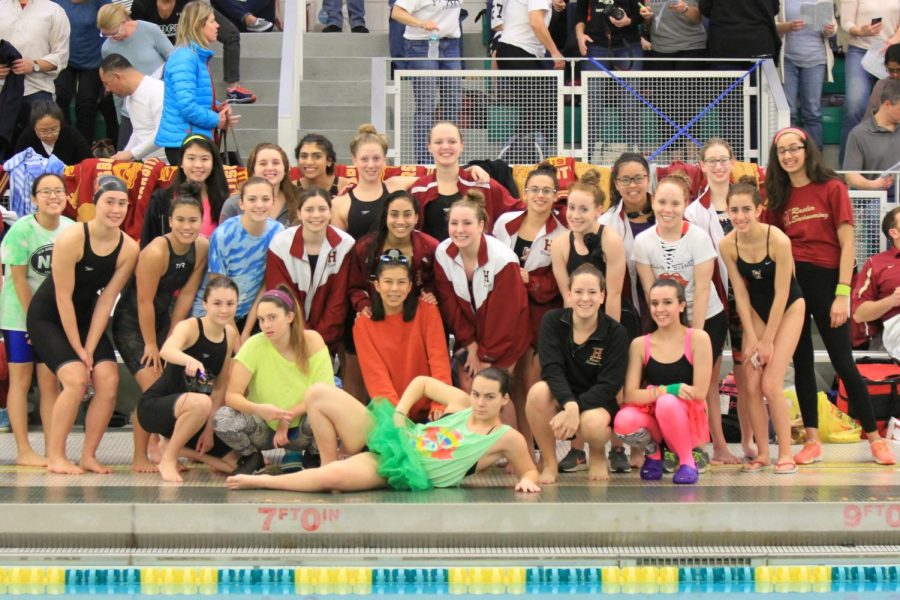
{"type": "Point", "coordinates": [434, 45]}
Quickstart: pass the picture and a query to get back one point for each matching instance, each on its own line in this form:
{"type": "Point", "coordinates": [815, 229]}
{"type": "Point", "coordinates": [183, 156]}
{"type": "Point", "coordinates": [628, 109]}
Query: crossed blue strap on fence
{"type": "Point", "coordinates": [679, 130]}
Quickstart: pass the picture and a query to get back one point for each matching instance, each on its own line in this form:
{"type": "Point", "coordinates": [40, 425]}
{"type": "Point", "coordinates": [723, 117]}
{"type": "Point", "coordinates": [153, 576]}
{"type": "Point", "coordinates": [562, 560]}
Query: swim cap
{"type": "Point", "coordinates": [109, 183]}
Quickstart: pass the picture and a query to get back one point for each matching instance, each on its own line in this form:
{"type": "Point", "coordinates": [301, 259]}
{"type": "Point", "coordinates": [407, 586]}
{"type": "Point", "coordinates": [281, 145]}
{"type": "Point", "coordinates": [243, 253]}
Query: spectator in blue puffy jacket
{"type": "Point", "coordinates": [189, 102]}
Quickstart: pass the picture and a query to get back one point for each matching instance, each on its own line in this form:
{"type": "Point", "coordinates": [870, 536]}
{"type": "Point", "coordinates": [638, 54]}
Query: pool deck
{"type": "Point", "coordinates": [845, 506]}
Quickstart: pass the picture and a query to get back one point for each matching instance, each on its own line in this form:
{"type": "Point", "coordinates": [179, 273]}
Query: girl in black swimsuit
{"type": "Point", "coordinates": [771, 307]}
{"type": "Point", "coordinates": [180, 404]}
{"type": "Point", "coordinates": [67, 321]}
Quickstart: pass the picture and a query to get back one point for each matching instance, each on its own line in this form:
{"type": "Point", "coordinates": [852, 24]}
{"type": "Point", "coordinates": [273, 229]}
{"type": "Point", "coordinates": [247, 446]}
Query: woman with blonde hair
{"type": "Point", "coordinates": [142, 43]}
{"type": "Point", "coordinates": [189, 101]}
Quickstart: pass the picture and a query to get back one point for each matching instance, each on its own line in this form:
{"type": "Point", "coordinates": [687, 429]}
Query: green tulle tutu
{"type": "Point", "coordinates": [398, 461]}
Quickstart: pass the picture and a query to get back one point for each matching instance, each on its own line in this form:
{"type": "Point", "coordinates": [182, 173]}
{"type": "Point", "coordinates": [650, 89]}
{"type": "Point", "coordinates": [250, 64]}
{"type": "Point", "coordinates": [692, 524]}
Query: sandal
{"type": "Point", "coordinates": [755, 466]}
{"type": "Point", "coordinates": [787, 467]}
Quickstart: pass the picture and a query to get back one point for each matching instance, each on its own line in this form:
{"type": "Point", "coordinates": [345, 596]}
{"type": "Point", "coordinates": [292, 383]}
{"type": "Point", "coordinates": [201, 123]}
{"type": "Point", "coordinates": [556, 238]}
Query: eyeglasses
{"type": "Point", "coordinates": [638, 179]}
{"type": "Point", "coordinates": [790, 150]}
{"type": "Point", "coordinates": [51, 192]}
{"type": "Point", "coordinates": [394, 256]}
{"type": "Point", "coordinates": [717, 162]}
{"type": "Point", "coordinates": [114, 34]}
{"type": "Point", "coordinates": [48, 132]}
{"type": "Point", "coordinates": [547, 191]}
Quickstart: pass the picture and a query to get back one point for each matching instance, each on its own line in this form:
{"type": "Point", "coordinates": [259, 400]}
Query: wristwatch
{"type": "Point", "coordinates": [36, 68]}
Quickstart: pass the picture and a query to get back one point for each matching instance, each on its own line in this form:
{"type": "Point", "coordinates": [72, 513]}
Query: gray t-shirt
{"type": "Point", "coordinates": [146, 49]}
{"type": "Point", "coordinates": [671, 32]}
{"type": "Point", "coordinates": [804, 48]}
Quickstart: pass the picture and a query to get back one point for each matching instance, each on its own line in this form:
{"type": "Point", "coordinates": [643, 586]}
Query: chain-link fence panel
{"type": "Point", "coordinates": [644, 113]}
{"type": "Point", "coordinates": [869, 208]}
{"type": "Point", "coordinates": [514, 115]}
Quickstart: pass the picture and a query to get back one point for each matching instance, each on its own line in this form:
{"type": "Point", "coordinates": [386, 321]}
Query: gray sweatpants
{"type": "Point", "coordinates": [248, 433]}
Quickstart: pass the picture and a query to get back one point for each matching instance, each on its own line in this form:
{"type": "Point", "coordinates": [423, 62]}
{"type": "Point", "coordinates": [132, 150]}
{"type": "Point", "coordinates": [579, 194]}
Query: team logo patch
{"type": "Point", "coordinates": [40, 259]}
{"type": "Point", "coordinates": [596, 356]}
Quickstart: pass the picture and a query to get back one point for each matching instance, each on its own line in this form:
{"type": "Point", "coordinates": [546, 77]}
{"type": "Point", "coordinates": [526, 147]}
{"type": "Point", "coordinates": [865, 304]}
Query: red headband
{"type": "Point", "coordinates": [795, 130]}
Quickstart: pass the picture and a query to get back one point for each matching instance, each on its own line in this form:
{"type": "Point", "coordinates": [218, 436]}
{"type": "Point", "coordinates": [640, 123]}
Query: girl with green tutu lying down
{"type": "Point", "coordinates": [389, 450]}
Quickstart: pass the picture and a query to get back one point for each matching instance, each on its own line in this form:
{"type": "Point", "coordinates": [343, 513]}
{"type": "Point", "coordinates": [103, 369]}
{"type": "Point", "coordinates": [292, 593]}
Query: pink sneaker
{"type": "Point", "coordinates": [881, 452]}
{"type": "Point", "coordinates": [811, 453]}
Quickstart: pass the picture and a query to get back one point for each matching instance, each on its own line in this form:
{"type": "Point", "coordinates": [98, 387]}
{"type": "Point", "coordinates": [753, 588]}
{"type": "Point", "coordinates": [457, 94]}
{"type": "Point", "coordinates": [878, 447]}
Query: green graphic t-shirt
{"type": "Point", "coordinates": [26, 243]}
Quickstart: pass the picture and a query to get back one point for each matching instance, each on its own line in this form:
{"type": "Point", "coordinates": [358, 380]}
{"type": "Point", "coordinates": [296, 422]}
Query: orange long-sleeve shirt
{"type": "Point", "coordinates": [392, 352]}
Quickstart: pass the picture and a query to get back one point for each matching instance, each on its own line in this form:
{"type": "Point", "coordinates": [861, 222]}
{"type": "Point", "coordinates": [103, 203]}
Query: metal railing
{"type": "Point", "coordinates": [291, 72]}
{"type": "Point", "coordinates": [593, 116]}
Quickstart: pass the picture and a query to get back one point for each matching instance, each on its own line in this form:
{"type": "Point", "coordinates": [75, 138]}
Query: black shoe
{"type": "Point", "coordinates": [250, 464]}
{"type": "Point", "coordinates": [575, 460]}
{"type": "Point", "coordinates": [311, 460]}
{"type": "Point", "coordinates": [331, 29]}
{"type": "Point", "coordinates": [360, 29]}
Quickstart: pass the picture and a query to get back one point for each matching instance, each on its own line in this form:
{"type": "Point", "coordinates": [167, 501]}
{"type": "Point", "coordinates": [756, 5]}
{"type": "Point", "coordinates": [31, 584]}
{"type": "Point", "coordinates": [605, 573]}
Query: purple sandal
{"type": "Point", "coordinates": [652, 469]}
{"type": "Point", "coordinates": [685, 474]}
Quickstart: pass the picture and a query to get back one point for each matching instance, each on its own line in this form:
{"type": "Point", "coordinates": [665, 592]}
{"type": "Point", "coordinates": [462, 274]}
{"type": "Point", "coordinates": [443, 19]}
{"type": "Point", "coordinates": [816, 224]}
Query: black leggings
{"type": "Point", "coordinates": [818, 286]}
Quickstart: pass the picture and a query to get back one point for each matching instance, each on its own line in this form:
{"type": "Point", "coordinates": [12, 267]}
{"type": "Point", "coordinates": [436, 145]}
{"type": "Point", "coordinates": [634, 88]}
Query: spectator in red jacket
{"type": "Point", "coordinates": [449, 183]}
{"type": "Point", "coordinates": [311, 259]}
{"type": "Point", "coordinates": [529, 233]}
{"type": "Point", "coordinates": [480, 292]}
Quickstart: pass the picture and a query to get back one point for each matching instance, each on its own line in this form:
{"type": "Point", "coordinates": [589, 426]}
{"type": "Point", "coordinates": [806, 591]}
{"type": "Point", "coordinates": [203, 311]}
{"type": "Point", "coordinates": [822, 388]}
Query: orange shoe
{"type": "Point", "coordinates": [811, 453]}
{"type": "Point", "coordinates": [881, 452]}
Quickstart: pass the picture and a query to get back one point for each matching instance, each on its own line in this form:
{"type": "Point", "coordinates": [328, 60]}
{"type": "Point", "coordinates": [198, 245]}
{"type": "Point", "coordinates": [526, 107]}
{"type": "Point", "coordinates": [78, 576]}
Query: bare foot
{"type": "Point", "coordinates": [636, 459]}
{"type": "Point", "coordinates": [90, 463]}
{"type": "Point", "coordinates": [548, 475]}
{"type": "Point", "coordinates": [168, 469]}
{"type": "Point", "coordinates": [723, 456]}
{"type": "Point", "coordinates": [63, 467]}
{"type": "Point", "coordinates": [244, 482]}
{"type": "Point", "coordinates": [598, 470]}
{"type": "Point", "coordinates": [142, 465]}
{"type": "Point", "coordinates": [156, 447]}
{"type": "Point", "coordinates": [750, 450]}
{"type": "Point", "coordinates": [30, 458]}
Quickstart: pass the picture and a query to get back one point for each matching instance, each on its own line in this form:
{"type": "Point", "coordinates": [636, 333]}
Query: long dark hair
{"type": "Point", "coordinates": [778, 182]}
{"type": "Point", "coordinates": [379, 228]}
{"type": "Point", "coordinates": [410, 304]}
{"type": "Point", "coordinates": [216, 184]}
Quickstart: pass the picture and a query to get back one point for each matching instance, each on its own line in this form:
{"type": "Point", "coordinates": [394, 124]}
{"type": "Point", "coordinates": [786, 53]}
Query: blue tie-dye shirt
{"type": "Point", "coordinates": [240, 256]}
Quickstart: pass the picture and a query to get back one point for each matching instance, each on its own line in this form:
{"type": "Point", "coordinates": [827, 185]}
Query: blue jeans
{"type": "Point", "coordinates": [356, 11]}
{"type": "Point", "coordinates": [803, 88]}
{"type": "Point", "coordinates": [629, 50]}
{"type": "Point", "coordinates": [859, 86]}
{"type": "Point", "coordinates": [428, 90]}
{"type": "Point", "coordinates": [395, 38]}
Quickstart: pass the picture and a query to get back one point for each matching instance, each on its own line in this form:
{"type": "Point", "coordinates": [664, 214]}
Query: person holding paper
{"type": "Point", "coordinates": [869, 23]}
{"type": "Point", "coordinates": [874, 144]}
{"type": "Point", "coordinates": [806, 59]}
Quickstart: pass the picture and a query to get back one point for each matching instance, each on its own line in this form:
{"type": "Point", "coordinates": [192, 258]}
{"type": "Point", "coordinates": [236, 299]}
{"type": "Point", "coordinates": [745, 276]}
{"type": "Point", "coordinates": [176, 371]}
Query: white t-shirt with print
{"type": "Point", "coordinates": [676, 260]}
{"type": "Point", "coordinates": [443, 12]}
{"type": "Point", "coordinates": [517, 26]}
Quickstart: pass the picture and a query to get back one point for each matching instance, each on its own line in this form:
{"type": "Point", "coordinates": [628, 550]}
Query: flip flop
{"type": "Point", "coordinates": [755, 466]}
{"type": "Point", "coordinates": [787, 467]}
